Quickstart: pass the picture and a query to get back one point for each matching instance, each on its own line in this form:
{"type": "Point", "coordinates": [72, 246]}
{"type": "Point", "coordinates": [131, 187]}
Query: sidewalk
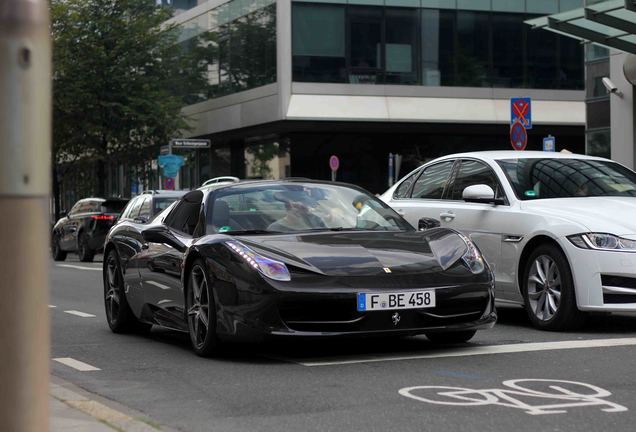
{"type": "Point", "coordinates": [75, 410]}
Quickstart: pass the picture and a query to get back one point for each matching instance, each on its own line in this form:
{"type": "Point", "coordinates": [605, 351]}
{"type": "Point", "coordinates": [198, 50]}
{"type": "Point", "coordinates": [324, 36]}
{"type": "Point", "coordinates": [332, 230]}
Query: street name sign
{"type": "Point", "coordinates": [189, 143]}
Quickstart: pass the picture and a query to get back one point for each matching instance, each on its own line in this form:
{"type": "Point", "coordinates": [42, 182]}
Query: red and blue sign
{"type": "Point", "coordinates": [168, 183]}
{"type": "Point", "coordinates": [521, 112]}
{"type": "Point", "coordinates": [518, 136]}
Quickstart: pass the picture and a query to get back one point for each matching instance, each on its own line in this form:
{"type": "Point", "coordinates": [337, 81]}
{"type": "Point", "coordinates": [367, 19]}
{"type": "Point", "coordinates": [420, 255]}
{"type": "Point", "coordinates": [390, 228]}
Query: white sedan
{"type": "Point", "coordinates": [558, 230]}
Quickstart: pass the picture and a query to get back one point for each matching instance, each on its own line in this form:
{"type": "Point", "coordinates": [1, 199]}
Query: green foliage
{"type": "Point", "coordinates": [120, 80]}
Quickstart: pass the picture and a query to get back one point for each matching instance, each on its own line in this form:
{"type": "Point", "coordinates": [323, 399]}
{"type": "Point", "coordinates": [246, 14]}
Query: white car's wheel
{"type": "Point", "coordinates": [548, 290]}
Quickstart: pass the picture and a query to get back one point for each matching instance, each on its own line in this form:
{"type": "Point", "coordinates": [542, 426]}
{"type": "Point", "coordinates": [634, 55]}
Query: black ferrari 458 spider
{"type": "Point", "coordinates": [256, 259]}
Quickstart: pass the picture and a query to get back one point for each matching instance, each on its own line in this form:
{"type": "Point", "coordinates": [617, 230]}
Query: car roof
{"type": "Point", "coordinates": [494, 155]}
{"type": "Point", "coordinates": [165, 192]}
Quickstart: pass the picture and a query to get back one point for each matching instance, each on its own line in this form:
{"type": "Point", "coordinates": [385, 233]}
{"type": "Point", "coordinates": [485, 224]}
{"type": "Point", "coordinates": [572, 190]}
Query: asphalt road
{"type": "Point", "coordinates": [408, 384]}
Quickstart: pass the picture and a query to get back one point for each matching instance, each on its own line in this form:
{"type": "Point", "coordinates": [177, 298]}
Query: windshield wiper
{"type": "Point", "coordinates": [337, 229]}
{"type": "Point", "coordinates": [251, 231]}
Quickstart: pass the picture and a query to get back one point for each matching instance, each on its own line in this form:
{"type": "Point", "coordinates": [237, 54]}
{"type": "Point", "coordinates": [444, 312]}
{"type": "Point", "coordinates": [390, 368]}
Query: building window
{"type": "Point", "coordinates": [318, 58]}
{"type": "Point", "coordinates": [597, 143]}
{"type": "Point", "coordinates": [345, 43]}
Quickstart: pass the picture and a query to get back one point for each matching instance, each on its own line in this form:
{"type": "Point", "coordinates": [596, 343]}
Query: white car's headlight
{"type": "Point", "coordinates": [266, 266]}
{"type": "Point", "coordinates": [603, 241]}
{"type": "Point", "coordinates": [472, 257]}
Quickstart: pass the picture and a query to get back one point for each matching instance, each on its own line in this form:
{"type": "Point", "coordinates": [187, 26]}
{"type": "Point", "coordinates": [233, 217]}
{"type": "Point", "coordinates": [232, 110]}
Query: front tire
{"type": "Point", "coordinates": [118, 314]}
{"type": "Point", "coordinates": [200, 311]}
{"type": "Point", "coordinates": [451, 337]}
{"type": "Point", "coordinates": [548, 290]}
{"type": "Point", "coordinates": [86, 254]}
{"type": "Point", "coordinates": [56, 249]}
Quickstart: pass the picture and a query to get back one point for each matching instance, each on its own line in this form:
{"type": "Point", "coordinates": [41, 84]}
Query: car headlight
{"type": "Point", "coordinates": [266, 266]}
{"type": "Point", "coordinates": [603, 241]}
{"type": "Point", "coordinates": [472, 257]}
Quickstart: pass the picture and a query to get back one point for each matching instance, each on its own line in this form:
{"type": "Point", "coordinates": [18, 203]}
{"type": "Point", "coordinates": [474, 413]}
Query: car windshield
{"type": "Point", "coordinates": [568, 178]}
{"type": "Point", "coordinates": [113, 206]}
{"type": "Point", "coordinates": [288, 208]}
{"type": "Point", "coordinates": [160, 204]}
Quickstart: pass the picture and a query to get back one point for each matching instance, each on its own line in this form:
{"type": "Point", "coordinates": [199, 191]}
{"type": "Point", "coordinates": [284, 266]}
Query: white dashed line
{"type": "Point", "coordinates": [481, 350]}
{"type": "Point", "coordinates": [52, 306]}
{"type": "Point", "coordinates": [80, 314]}
{"type": "Point", "coordinates": [76, 364]}
{"type": "Point", "coordinates": [79, 267]}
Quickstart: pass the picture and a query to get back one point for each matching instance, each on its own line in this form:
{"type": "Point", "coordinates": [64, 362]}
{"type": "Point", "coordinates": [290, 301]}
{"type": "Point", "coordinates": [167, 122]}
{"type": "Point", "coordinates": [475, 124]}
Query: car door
{"type": "Point", "coordinates": [72, 225]}
{"type": "Point", "coordinates": [484, 223]}
{"type": "Point", "coordinates": [161, 264]}
{"type": "Point", "coordinates": [422, 194]}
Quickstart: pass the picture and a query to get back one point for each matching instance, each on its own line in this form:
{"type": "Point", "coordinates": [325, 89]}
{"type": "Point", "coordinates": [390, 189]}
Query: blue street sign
{"type": "Point", "coordinates": [170, 164]}
{"type": "Point", "coordinates": [549, 144]}
{"type": "Point", "coordinates": [521, 111]}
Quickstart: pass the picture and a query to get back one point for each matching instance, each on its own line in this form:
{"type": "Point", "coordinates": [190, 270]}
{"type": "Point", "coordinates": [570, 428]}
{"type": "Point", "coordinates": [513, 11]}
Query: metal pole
{"type": "Point", "coordinates": [25, 147]}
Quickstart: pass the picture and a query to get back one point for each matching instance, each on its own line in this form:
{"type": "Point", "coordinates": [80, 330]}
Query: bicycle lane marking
{"type": "Point", "coordinates": [510, 397]}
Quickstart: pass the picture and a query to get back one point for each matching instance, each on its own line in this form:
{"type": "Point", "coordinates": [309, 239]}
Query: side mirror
{"type": "Point", "coordinates": [481, 193]}
{"type": "Point", "coordinates": [141, 219]}
{"type": "Point", "coordinates": [427, 223]}
{"type": "Point", "coordinates": [157, 234]}
{"type": "Point", "coordinates": [63, 213]}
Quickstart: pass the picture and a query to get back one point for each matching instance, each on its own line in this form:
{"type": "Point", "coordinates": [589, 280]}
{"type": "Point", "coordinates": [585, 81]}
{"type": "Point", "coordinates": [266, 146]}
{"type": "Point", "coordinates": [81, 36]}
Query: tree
{"type": "Point", "coordinates": [120, 80]}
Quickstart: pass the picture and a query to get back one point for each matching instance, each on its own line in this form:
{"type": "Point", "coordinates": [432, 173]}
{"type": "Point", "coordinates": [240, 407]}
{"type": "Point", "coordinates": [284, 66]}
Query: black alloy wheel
{"type": "Point", "coordinates": [200, 310]}
{"type": "Point", "coordinates": [118, 314]}
{"type": "Point", "coordinates": [548, 290]}
{"type": "Point", "coordinates": [56, 250]}
{"type": "Point", "coordinates": [451, 337]}
{"type": "Point", "coordinates": [85, 253]}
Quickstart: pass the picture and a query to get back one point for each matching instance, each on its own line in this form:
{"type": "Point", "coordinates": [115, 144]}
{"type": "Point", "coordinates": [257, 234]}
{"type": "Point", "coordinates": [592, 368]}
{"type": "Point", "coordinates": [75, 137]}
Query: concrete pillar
{"type": "Point", "coordinates": [623, 141]}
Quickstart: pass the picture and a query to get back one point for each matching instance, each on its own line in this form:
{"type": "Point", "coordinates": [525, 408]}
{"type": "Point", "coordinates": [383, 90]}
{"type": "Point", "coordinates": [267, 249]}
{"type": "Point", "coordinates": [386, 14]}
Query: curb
{"type": "Point", "coordinates": [88, 404]}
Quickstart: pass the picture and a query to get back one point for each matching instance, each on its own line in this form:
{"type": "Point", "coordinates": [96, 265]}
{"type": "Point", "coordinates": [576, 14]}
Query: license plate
{"type": "Point", "coordinates": [396, 300]}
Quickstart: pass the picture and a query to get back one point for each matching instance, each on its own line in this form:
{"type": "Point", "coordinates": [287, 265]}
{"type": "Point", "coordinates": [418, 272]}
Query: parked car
{"type": "Point", "coordinates": [558, 229]}
{"type": "Point", "coordinates": [144, 207]}
{"type": "Point", "coordinates": [257, 259]}
{"type": "Point", "coordinates": [85, 227]}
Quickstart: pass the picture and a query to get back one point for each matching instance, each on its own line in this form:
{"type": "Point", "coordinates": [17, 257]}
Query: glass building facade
{"type": "Point", "coordinates": [290, 83]}
{"type": "Point", "coordinates": [237, 43]}
{"type": "Point", "coordinates": [472, 43]}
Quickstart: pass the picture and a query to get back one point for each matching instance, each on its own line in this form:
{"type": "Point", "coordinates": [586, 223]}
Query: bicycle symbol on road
{"type": "Point", "coordinates": [549, 396]}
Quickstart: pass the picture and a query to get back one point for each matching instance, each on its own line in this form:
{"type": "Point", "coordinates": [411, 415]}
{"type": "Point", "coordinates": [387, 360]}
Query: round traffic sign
{"type": "Point", "coordinates": [518, 136]}
{"type": "Point", "coordinates": [334, 163]}
{"type": "Point", "coordinates": [168, 183]}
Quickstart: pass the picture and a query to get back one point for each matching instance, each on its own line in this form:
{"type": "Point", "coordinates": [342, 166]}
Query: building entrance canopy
{"type": "Point", "coordinates": [610, 23]}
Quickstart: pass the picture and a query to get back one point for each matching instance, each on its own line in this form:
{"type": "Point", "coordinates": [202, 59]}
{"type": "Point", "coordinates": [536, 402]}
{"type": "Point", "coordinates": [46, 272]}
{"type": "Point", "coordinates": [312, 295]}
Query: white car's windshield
{"type": "Point", "coordinates": [568, 178]}
{"type": "Point", "coordinates": [286, 208]}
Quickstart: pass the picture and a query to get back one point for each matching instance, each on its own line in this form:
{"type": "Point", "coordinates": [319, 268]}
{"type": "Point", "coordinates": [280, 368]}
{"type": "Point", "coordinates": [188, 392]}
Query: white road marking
{"type": "Point", "coordinates": [79, 267]}
{"type": "Point", "coordinates": [552, 399]}
{"type": "Point", "coordinates": [482, 350]}
{"type": "Point", "coordinates": [158, 285]}
{"type": "Point", "coordinates": [80, 314]}
{"type": "Point", "coordinates": [76, 364]}
{"type": "Point", "coordinates": [52, 306]}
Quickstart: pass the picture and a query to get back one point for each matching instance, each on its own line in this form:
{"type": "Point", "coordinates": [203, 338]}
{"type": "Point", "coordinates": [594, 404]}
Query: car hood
{"type": "Point", "coordinates": [615, 215]}
{"type": "Point", "coordinates": [353, 253]}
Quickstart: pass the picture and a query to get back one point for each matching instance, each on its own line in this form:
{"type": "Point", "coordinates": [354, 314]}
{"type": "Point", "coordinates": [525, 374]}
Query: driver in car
{"type": "Point", "coordinates": [299, 215]}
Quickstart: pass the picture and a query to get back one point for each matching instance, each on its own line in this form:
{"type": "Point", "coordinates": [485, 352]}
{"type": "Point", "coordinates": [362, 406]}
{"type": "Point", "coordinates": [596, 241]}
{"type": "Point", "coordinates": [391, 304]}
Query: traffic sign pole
{"type": "Point", "coordinates": [25, 167]}
{"type": "Point", "coordinates": [334, 164]}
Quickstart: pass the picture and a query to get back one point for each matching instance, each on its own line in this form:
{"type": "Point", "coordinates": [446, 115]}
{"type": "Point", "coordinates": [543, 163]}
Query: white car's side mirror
{"type": "Point", "coordinates": [480, 193]}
